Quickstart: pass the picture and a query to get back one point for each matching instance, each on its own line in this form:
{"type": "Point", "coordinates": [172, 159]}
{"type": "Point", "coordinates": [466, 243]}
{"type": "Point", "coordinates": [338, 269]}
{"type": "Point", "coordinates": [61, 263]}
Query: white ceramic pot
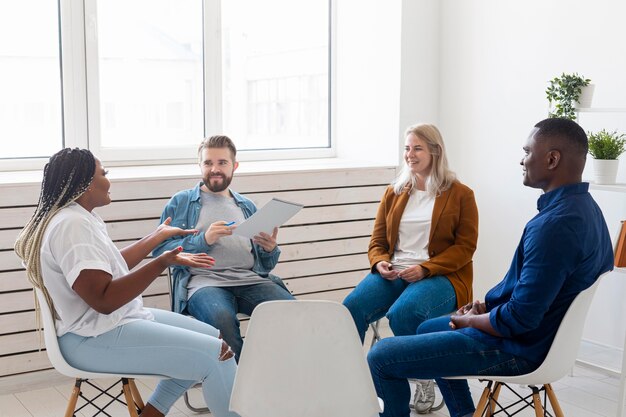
{"type": "Point", "coordinates": [605, 170]}
{"type": "Point", "coordinates": [586, 95]}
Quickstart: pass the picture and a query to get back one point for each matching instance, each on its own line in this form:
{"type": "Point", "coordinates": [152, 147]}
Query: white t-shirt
{"type": "Point", "coordinates": [414, 232]}
{"type": "Point", "coordinates": [74, 240]}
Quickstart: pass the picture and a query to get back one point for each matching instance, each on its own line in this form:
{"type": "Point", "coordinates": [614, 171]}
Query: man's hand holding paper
{"type": "Point", "coordinates": [263, 225]}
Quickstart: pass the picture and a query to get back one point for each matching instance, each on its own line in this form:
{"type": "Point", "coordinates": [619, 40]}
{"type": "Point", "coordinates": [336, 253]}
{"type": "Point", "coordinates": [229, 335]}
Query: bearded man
{"type": "Point", "coordinates": [240, 279]}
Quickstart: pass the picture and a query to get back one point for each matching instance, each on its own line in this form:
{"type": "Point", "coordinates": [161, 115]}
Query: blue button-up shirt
{"type": "Point", "coordinates": [563, 250]}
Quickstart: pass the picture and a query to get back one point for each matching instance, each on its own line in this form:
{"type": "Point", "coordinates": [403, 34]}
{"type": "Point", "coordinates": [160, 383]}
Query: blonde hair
{"type": "Point", "coordinates": [441, 177]}
{"type": "Point", "coordinates": [66, 176]}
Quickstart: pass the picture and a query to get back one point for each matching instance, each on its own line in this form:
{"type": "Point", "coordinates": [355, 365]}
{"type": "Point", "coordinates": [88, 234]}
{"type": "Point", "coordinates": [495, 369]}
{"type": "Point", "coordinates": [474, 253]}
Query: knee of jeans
{"type": "Point", "coordinates": [222, 320]}
{"type": "Point", "coordinates": [352, 304]}
{"type": "Point", "coordinates": [403, 321]}
{"type": "Point", "coordinates": [376, 355]}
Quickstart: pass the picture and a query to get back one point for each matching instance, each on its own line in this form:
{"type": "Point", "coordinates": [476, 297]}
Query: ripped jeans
{"type": "Point", "coordinates": [176, 346]}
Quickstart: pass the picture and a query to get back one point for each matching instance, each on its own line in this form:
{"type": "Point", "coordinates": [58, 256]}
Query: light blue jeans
{"type": "Point", "coordinates": [179, 347]}
{"type": "Point", "coordinates": [218, 306]}
{"type": "Point", "coordinates": [406, 305]}
{"type": "Point", "coordinates": [436, 352]}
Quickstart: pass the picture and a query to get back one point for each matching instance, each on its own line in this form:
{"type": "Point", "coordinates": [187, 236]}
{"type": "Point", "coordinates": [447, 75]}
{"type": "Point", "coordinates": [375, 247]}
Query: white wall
{"type": "Point", "coordinates": [496, 58]}
{"type": "Point", "coordinates": [368, 74]}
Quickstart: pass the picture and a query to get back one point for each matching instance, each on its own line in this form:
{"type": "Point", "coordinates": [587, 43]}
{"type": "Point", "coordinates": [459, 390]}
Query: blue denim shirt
{"type": "Point", "coordinates": [563, 250]}
{"type": "Point", "coordinates": [184, 209]}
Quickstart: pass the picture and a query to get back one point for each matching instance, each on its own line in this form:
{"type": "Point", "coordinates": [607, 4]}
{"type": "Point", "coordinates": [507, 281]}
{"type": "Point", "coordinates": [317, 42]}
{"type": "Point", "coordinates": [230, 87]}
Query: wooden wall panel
{"type": "Point", "coordinates": [324, 247]}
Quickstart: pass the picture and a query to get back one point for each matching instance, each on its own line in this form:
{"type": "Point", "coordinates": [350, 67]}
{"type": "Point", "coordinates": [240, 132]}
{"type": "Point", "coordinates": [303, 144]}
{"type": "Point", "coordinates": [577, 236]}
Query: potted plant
{"type": "Point", "coordinates": [564, 93]}
{"type": "Point", "coordinates": [605, 147]}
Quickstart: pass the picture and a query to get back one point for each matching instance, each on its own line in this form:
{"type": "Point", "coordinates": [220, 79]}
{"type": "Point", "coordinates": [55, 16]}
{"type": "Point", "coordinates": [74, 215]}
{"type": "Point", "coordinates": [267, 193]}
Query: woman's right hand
{"type": "Point", "coordinates": [178, 257]}
{"type": "Point", "coordinates": [385, 270]}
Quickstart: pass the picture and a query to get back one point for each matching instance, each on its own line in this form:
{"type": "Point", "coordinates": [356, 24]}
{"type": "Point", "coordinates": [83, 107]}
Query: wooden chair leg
{"type": "Point", "coordinates": [136, 394]}
{"type": "Point", "coordinates": [537, 402]}
{"type": "Point", "coordinates": [482, 403]}
{"type": "Point", "coordinates": [71, 403]}
{"type": "Point", "coordinates": [128, 395]}
{"type": "Point", "coordinates": [553, 401]}
{"type": "Point", "coordinates": [493, 398]}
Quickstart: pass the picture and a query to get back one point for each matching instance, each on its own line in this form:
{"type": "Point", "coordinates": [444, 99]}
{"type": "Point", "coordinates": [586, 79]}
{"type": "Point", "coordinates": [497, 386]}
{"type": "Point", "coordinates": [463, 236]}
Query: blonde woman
{"type": "Point", "coordinates": [422, 244]}
{"type": "Point", "coordinates": [100, 319]}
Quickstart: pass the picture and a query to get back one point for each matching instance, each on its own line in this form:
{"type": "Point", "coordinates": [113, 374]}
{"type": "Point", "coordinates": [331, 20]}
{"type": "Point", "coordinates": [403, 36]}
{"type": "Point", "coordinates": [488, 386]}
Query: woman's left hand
{"type": "Point", "coordinates": [166, 231]}
{"type": "Point", "coordinates": [412, 273]}
{"type": "Point", "coordinates": [178, 257]}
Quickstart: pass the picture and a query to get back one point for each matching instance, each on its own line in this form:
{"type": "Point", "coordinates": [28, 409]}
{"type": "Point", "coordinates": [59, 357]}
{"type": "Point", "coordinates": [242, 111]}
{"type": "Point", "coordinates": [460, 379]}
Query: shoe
{"type": "Point", "coordinates": [424, 395]}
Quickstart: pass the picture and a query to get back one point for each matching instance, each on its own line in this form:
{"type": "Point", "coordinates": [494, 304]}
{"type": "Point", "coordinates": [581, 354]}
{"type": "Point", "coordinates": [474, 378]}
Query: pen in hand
{"type": "Point", "coordinates": [229, 223]}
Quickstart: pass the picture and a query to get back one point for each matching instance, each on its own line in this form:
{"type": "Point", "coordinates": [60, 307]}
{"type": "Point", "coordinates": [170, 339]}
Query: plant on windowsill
{"type": "Point", "coordinates": [605, 147]}
{"type": "Point", "coordinates": [564, 94]}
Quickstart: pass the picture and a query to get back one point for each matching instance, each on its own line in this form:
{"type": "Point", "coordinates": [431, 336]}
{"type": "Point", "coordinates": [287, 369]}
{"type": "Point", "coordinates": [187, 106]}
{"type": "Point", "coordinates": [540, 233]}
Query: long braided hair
{"type": "Point", "coordinates": [66, 176]}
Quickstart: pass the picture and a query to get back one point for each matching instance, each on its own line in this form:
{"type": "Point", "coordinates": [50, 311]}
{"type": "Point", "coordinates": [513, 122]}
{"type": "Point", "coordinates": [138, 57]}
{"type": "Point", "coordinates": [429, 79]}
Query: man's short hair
{"type": "Point", "coordinates": [218, 141]}
{"type": "Point", "coordinates": [567, 130]}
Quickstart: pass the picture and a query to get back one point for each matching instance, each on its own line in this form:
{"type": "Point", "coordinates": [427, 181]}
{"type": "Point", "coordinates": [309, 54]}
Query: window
{"type": "Point", "coordinates": [148, 79]}
{"type": "Point", "coordinates": [147, 72]}
{"type": "Point", "coordinates": [275, 66]}
{"type": "Point", "coordinates": [30, 79]}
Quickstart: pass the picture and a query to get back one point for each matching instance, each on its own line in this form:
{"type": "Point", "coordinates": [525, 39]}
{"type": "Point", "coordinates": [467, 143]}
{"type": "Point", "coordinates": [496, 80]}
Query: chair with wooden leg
{"type": "Point", "coordinates": [558, 363]}
{"type": "Point", "coordinates": [129, 394]}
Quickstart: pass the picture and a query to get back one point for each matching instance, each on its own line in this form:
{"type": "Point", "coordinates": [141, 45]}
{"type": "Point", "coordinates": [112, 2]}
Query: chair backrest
{"type": "Point", "coordinates": [54, 352]}
{"type": "Point", "coordinates": [564, 349]}
{"type": "Point", "coordinates": [52, 343]}
{"type": "Point", "coordinates": [303, 358]}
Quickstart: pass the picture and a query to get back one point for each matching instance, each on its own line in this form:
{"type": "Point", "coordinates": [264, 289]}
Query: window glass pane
{"type": "Point", "coordinates": [150, 73]}
{"type": "Point", "coordinates": [30, 79]}
{"type": "Point", "coordinates": [275, 73]}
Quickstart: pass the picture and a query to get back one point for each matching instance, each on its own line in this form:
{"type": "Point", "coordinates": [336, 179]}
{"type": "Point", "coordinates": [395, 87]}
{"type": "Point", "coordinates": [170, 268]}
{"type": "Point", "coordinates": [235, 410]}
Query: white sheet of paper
{"type": "Point", "coordinates": [273, 214]}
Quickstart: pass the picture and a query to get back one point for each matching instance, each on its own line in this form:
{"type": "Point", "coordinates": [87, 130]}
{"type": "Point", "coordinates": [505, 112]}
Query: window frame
{"type": "Point", "coordinates": [80, 95]}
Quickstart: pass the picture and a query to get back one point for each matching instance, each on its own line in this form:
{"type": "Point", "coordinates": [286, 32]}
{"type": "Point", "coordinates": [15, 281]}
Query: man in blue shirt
{"type": "Point", "coordinates": [563, 250]}
{"type": "Point", "coordinates": [240, 279]}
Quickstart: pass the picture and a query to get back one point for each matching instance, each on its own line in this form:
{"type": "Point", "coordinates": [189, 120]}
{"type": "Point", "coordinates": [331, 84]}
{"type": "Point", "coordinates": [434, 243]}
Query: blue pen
{"type": "Point", "coordinates": [229, 224]}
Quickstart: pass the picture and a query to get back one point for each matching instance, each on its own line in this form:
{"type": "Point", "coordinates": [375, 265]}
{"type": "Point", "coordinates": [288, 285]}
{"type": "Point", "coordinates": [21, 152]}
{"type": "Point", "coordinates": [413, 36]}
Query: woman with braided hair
{"type": "Point", "coordinates": [87, 282]}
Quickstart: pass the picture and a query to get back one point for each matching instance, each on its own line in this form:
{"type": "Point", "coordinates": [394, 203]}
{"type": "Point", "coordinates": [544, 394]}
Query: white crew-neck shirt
{"type": "Point", "coordinates": [414, 232]}
{"type": "Point", "coordinates": [75, 240]}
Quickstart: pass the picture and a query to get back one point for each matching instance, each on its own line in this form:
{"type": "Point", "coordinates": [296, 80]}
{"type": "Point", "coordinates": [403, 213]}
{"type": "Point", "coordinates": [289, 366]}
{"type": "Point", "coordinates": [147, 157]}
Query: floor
{"type": "Point", "coordinates": [586, 392]}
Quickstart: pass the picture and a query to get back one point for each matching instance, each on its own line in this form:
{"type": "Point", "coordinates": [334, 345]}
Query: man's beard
{"type": "Point", "coordinates": [217, 187]}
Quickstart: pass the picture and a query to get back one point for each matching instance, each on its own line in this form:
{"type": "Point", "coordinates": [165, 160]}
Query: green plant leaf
{"type": "Point", "coordinates": [606, 145]}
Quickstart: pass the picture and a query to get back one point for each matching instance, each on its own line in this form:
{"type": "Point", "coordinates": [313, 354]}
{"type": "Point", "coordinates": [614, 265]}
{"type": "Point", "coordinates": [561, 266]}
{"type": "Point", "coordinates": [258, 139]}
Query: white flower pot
{"type": "Point", "coordinates": [586, 95]}
{"type": "Point", "coordinates": [605, 170]}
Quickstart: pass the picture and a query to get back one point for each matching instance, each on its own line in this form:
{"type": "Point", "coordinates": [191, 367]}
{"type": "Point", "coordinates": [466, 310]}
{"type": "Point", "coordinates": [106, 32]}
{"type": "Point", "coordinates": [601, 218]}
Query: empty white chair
{"type": "Point", "coordinates": [559, 361]}
{"type": "Point", "coordinates": [303, 358]}
{"type": "Point", "coordinates": [132, 398]}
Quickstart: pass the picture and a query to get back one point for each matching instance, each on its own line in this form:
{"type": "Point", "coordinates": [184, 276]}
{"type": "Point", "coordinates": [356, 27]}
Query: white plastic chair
{"type": "Point", "coordinates": [558, 363]}
{"type": "Point", "coordinates": [303, 358]}
{"type": "Point", "coordinates": [133, 400]}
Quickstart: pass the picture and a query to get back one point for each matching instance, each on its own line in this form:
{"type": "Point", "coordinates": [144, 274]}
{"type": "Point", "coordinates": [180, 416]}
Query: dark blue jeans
{"type": "Point", "coordinates": [440, 353]}
{"type": "Point", "coordinates": [406, 305]}
{"type": "Point", "coordinates": [218, 306]}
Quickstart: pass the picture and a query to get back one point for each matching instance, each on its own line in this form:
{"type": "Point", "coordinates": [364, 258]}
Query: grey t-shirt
{"type": "Point", "coordinates": [233, 254]}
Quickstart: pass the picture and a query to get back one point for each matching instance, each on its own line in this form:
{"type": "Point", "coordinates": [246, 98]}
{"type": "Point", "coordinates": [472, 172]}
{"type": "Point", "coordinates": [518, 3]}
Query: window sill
{"type": "Point", "coordinates": [246, 168]}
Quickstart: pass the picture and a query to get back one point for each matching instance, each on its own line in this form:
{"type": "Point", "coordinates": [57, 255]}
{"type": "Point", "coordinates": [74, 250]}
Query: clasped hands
{"type": "Point", "coordinates": [411, 274]}
{"type": "Point", "coordinates": [463, 316]}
